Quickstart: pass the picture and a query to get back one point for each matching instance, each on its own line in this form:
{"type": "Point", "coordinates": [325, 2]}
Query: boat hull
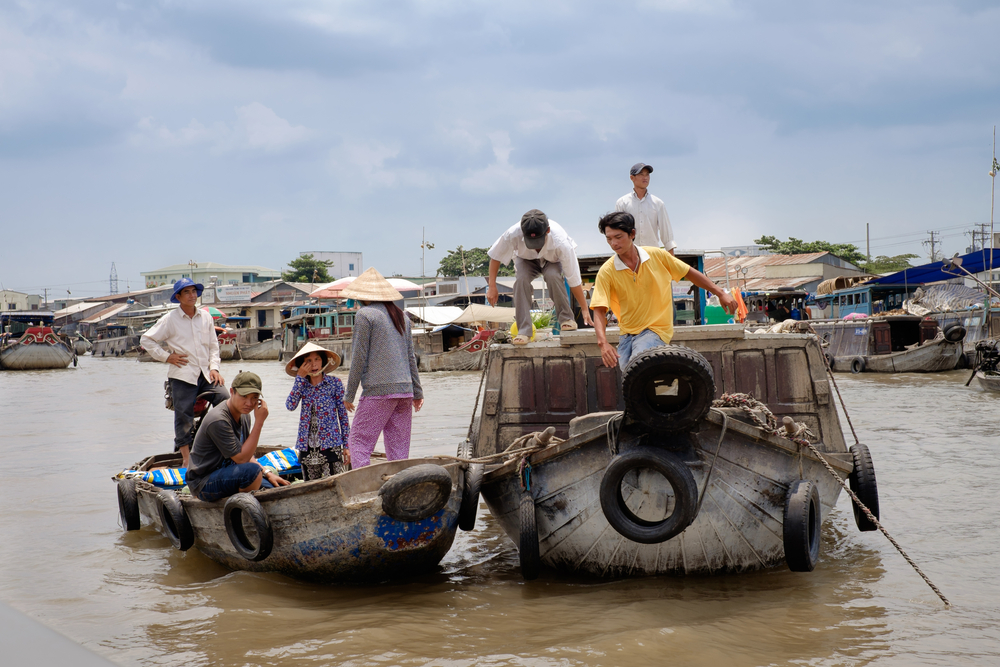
{"type": "Point", "coordinates": [988, 382]}
{"type": "Point", "coordinates": [331, 530]}
{"type": "Point", "coordinates": [267, 350]}
{"type": "Point", "coordinates": [36, 356]}
{"type": "Point", "coordinates": [118, 346]}
{"type": "Point", "coordinates": [229, 352]}
{"type": "Point", "coordinates": [932, 357]}
{"type": "Point", "coordinates": [738, 527]}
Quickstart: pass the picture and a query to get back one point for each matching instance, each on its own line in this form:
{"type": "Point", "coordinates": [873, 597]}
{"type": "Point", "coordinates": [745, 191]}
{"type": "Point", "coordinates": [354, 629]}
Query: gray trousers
{"type": "Point", "coordinates": [526, 270]}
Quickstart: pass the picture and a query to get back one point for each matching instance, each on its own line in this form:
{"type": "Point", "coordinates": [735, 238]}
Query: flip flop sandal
{"type": "Point", "coordinates": [520, 340]}
{"type": "Point", "coordinates": [567, 326]}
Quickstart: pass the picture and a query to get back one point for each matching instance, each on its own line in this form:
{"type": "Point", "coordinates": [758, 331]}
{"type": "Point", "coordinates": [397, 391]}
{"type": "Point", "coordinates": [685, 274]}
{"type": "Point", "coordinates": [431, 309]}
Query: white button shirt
{"type": "Point", "coordinates": [559, 247]}
{"type": "Point", "coordinates": [652, 225]}
{"type": "Point", "coordinates": [193, 336]}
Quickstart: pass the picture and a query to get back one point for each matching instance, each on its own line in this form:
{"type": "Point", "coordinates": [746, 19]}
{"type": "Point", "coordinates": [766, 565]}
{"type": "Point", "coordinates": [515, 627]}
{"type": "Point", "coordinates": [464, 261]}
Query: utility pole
{"type": "Point", "coordinates": [424, 247]}
{"type": "Point", "coordinates": [933, 242]}
{"type": "Point", "coordinates": [868, 243]}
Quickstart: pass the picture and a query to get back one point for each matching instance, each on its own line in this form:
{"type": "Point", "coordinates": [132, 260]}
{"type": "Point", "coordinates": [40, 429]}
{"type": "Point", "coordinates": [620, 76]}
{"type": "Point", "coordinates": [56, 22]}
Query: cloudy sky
{"type": "Point", "coordinates": [153, 133]}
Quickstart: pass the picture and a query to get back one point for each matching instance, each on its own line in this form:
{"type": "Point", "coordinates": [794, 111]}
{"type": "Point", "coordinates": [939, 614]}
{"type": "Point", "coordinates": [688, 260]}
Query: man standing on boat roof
{"type": "Point", "coordinates": [652, 224]}
{"type": "Point", "coordinates": [538, 246]}
{"type": "Point", "coordinates": [635, 284]}
{"type": "Point", "coordinates": [194, 359]}
{"type": "Point", "coordinates": [222, 458]}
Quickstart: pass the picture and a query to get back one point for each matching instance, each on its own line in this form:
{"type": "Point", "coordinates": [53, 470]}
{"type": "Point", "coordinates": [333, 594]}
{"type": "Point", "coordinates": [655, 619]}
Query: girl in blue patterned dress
{"type": "Point", "coordinates": [323, 425]}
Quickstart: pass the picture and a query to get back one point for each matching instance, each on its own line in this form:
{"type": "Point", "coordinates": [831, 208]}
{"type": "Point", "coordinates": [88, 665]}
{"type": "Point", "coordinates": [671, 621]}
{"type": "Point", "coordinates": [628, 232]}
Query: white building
{"type": "Point", "coordinates": [19, 301]}
{"type": "Point", "coordinates": [344, 263]}
{"type": "Point", "coordinates": [205, 272]}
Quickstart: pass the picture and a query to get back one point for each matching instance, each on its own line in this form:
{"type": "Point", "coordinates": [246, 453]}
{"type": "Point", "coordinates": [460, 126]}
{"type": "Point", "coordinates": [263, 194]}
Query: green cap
{"type": "Point", "coordinates": [246, 383]}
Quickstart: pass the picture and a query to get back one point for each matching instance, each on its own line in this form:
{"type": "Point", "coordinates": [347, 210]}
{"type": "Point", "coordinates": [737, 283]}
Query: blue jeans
{"type": "Point", "coordinates": [229, 479]}
{"type": "Point", "coordinates": [630, 345]}
{"type": "Point", "coordinates": [185, 396]}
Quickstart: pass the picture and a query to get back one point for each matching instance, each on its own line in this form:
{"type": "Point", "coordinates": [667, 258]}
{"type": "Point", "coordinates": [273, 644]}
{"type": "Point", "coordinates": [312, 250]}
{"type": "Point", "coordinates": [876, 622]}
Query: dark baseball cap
{"type": "Point", "coordinates": [534, 226]}
{"type": "Point", "coordinates": [637, 167]}
{"type": "Point", "coordinates": [246, 383]}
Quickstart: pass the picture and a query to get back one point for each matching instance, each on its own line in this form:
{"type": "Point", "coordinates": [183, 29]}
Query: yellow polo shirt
{"type": "Point", "coordinates": [642, 300]}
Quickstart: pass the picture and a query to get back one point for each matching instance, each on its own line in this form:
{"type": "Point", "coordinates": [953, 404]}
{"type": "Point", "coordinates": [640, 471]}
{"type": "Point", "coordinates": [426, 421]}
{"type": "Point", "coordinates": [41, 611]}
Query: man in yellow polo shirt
{"type": "Point", "coordinates": [635, 285]}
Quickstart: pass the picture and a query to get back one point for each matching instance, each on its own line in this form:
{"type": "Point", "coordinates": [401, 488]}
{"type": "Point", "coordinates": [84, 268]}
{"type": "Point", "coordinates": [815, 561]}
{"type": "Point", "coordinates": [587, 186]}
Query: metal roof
{"type": "Point", "coordinates": [715, 267]}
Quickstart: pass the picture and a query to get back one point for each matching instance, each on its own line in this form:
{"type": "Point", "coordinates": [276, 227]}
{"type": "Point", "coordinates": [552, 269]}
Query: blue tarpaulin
{"type": "Point", "coordinates": [974, 262]}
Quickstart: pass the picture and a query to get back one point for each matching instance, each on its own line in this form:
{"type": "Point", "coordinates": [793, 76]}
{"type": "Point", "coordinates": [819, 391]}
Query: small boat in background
{"type": "Point", "coordinates": [469, 356]}
{"type": "Point", "coordinates": [38, 348]}
{"type": "Point", "coordinates": [890, 344]}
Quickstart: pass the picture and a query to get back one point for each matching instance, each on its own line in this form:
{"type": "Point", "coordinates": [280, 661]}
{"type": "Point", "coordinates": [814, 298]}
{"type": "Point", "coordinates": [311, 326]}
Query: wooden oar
{"type": "Point", "coordinates": [974, 371]}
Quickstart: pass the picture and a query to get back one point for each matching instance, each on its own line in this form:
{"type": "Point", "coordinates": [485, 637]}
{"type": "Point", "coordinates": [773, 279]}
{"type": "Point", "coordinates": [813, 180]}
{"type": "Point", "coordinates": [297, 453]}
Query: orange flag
{"type": "Point", "coordinates": [741, 307]}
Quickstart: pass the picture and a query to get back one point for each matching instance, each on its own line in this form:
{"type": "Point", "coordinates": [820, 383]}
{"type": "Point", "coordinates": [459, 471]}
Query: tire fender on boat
{"type": "Point", "coordinates": [858, 365]}
{"type": "Point", "coordinates": [174, 520]}
{"type": "Point", "coordinates": [668, 388]}
{"type": "Point", "coordinates": [416, 493]}
{"type": "Point", "coordinates": [801, 526]}
{"type": "Point", "coordinates": [676, 473]}
{"type": "Point", "coordinates": [527, 548]}
{"type": "Point", "coordinates": [128, 504]}
{"type": "Point", "coordinates": [954, 332]}
{"type": "Point", "coordinates": [236, 507]}
{"type": "Point", "coordinates": [864, 486]}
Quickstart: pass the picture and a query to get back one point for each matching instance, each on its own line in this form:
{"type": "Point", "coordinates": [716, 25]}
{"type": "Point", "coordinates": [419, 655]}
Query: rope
{"type": "Point", "coordinates": [718, 448]}
{"type": "Point", "coordinates": [482, 379]}
{"type": "Point", "coordinates": [829, 371]}
{"type": "Point", "coordinates": [748, 403]}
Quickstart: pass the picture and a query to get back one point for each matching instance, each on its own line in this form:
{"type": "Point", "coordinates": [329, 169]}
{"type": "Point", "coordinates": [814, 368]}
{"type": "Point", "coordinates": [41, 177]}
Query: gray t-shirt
{"type": "Point", "coordinates": [220, 437]}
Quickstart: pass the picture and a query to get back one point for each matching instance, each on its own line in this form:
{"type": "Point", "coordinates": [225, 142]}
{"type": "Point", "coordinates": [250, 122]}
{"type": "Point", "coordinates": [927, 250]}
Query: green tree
{"type": "Point", "coordinates": [885, 264]}
{"type": "Point", "coordinates": [307, 269]}
{"type": "Point", "coordinates": [477, 263]}
{"type": "Point", "coordinates": [794, 246]}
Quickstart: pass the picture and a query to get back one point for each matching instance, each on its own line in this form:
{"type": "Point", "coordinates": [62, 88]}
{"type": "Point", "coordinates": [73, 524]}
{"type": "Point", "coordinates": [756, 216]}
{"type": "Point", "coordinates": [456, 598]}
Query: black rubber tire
{"type": "Point", "coordinates": [76, 362]}
{"type": "Point", "coordinates": [527, 552]}
{"type": "Point", "coordinates": [662, 366]}
{"type": "Point", "coordinates": [416, 493]}
{"type": "Point", "coordinates": [829, 359]}
{"type": "Point", "coordinates": [801, 526]}
{"type": "Point", "coordinates": [470, 489]}
{"type": "Point", "coordinates": [238, 505]}
{"type": "Point", "coordinates": [954, 332]}
{"type": "Point", "coordinates": [676, 473]}
{"type": "Point", "coordinates": [128, 504]}
{"type": "Point", "coordinates": [864, 486]}
{"type": "Point", "coordinates": [858, 365]}
{"type": "Point", "coordinates": [174, 520]}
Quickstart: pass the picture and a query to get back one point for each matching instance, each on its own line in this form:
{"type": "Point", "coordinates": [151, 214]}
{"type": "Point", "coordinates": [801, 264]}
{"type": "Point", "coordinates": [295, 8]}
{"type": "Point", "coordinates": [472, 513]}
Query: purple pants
{"type": "Point", "coordinates": [375, 415]}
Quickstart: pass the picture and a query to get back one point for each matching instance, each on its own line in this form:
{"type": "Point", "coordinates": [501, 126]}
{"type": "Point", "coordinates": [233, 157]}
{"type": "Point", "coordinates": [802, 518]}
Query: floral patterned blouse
{"type": "Point", "coordinates": [327, 401]}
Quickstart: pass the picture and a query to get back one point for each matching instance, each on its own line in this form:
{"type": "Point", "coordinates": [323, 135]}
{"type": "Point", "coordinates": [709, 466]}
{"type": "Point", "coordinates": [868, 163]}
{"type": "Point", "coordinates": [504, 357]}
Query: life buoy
{"type": "Point", "coordinates": [668, 388]}
{"type": "Point", "coordinates": [245, 504]}
{"type": "Point", "coordinates": [857, 365]}
{"type": "Point", "coordinates": [128, 504]}
{"type": "Point", "coordinates": [174, 520]}
{"type": "Point", "coordinates": [801, 526]}
{"type": "Point", "coordinates": [416, 493]}
{"type": "Point", "coordinates": [527, 551]}
{"type": "Point", "coordinates": [676, 473]}
{"type": "Point", "coordinates": [864, 486]}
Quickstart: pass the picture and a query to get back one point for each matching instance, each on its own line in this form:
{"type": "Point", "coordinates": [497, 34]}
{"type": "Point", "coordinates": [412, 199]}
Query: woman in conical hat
{"type": "Point", "coordinates": [383, 363]}
{"type": "Point", "coordinates": [323, 424]}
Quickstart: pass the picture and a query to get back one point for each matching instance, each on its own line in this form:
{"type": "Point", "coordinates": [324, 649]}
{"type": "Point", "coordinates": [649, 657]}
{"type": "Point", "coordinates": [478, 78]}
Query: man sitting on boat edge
{"type": "Point", "coordinates": [222, 458]}
{"type": "Point", "coordinates": [635, 285]}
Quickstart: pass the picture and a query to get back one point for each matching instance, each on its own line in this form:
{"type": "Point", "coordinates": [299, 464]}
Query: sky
{"type": "Point", "coordinates": [154, 133]}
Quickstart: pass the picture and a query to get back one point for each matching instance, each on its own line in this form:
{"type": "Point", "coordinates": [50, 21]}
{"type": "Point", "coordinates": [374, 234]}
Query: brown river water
{"type": "Point", "coordinates": [134, 599]}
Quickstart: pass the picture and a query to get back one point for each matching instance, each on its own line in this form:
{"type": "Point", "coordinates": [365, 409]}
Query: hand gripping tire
{"type": "Point", "coordinates": [174, 520]}
{"type": "Point", "coordinates": [470, 489]}
{"type": "Point", "coordinates": [236, 507]}
{"type": "Point", "coordinates": [128, 504]}
{"type": "Point", "coordinates": [416, 493]}
{"type": "Point", "coordinates": [669, 389]}
{"type": "Point", "coordinates": [802, 519]}
{"type": "Point", "coordinates": [862, 481]}
{"type": "Point", "coordinates": [858, 365]}
{"type": "Point", "coordinates": [677, 474]}
{"type": "Point", "coordinates": [954, 332]}
{"type": "Point", "coordinates": [527, 548]}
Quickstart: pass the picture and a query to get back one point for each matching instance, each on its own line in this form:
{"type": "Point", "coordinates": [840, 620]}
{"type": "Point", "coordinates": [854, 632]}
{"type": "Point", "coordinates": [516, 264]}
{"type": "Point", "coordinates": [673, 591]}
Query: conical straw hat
{"type": "Point", "coordinates": [332, 359]}
{"type": "Point", "coordinates": [371, 286]}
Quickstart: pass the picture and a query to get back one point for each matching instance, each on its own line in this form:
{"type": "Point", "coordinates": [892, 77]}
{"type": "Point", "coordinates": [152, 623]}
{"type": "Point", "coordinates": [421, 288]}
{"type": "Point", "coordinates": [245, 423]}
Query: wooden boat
{"type": "Point", "coordinates": [118, 341]}
{"type": "Point", "coordinates": [988, 380]}
{"type": "Point", "coordinates": [229, 350]}
{"type": "Point", "coordinates": [470, 356]}
{"type": "Point", "coordinates": [336, 529]}
{"type": "Point", "coordinates": [81, 345]}
{"type": "Point", "coordinates": [266, 350]}
{"type": "Point", "coordinates": [38, 348]}
{"type": "Point", "coordinates": [595, 504]}
{"type": "Point", "coordinates": [890, 344]}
